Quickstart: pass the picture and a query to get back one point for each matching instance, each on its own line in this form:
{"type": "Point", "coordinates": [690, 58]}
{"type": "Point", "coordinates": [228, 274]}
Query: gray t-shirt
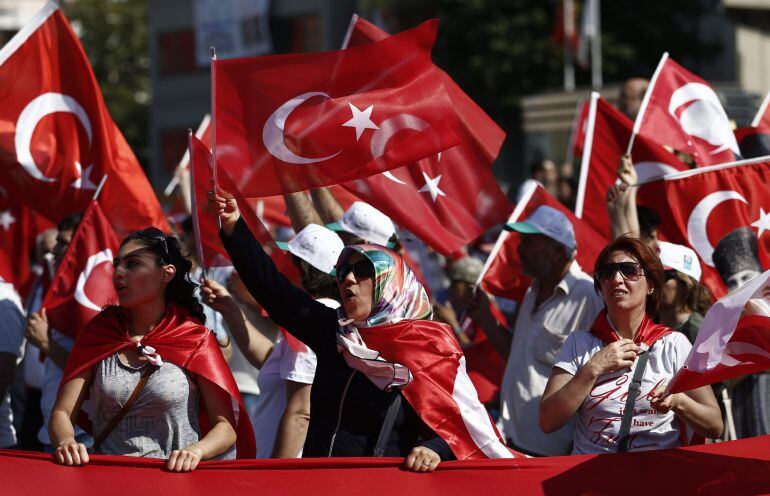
{"type": "Point", "coordinates": [163, 418]}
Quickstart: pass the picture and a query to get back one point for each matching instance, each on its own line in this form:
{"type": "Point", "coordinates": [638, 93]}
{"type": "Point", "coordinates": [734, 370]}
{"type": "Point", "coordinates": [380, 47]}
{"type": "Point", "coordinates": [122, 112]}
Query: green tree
{"type": "Point", "coordinates": [115, 37]}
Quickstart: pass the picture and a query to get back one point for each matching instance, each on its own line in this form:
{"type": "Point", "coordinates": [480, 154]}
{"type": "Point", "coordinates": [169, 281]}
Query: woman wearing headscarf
{"type": "Point", "coordinates": [388, 382]}
{"type": "Point", "coordinates": [614, 375]}
{"type": "Point", "coordinates": [150, 368]}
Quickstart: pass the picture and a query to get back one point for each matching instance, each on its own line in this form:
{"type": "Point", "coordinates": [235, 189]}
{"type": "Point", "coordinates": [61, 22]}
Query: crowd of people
{"type": "Point", "coordinates": [194, 364]}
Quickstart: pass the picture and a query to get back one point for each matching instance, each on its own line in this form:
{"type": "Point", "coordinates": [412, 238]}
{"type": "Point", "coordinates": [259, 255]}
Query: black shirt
{"type": "Point", "coordinates": [345, 407]}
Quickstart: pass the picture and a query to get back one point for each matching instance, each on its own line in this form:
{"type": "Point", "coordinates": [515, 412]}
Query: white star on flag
{"type": "Point", "coordinates": [361, 120]}
{"type": "Point", "coordinates": [6, 219]}
{"type": "Point", "coordinates": [763, 223]}
{"type": "Point", "coordinates": [84, 180]}
{"type": "Point", "coordinates": [431, 186]}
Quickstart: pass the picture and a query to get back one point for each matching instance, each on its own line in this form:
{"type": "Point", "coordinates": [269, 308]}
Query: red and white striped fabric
{"type": "Point", "coordinates": [440, 392]}
{"type": "Point", "coordinates": [734, 339]}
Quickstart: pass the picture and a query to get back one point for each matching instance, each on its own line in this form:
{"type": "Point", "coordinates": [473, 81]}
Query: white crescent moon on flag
{"type": "Point", "coordinates": [696, 223]}
{"type": "Point", "coordinates": [33, 113]}
{"type": "Point", "coordinates": [651, 170]}
{"type": "Point", "coordinates": [272, 132]}
{"type": "Point", "coordinates": [388, 128]}
{"type": "Point", "coordinates": [80, 288]}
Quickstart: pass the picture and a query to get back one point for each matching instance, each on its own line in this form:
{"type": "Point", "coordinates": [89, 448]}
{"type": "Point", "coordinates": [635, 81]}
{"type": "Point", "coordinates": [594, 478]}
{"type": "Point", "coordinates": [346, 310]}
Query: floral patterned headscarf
{"type": "Point", "coordinates": [397, 293]}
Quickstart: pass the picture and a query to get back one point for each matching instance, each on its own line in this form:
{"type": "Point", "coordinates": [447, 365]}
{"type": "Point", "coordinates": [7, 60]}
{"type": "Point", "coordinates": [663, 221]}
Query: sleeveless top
{"type": "Point", "coordinates": [163, 418]}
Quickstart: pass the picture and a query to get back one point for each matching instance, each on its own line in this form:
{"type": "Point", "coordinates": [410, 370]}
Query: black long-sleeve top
{"type": "Point", "coordinates": [342, 400]}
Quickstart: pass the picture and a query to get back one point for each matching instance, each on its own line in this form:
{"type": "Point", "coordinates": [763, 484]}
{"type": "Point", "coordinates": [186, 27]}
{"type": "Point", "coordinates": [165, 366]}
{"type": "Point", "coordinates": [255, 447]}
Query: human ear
{"type": "Point", "coordinates": [169, 271]}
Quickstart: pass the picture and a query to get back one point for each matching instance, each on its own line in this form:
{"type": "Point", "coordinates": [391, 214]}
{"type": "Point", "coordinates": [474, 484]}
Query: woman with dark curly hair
{"type": "Point", "coordinates": [149, 365]}
{"type": "Point", "coordinates": [614, 375]}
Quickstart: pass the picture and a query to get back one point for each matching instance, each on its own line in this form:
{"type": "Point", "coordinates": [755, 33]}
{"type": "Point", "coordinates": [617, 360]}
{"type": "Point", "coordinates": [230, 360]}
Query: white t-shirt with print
{"type": "Point", "coordinates": [598, 418]}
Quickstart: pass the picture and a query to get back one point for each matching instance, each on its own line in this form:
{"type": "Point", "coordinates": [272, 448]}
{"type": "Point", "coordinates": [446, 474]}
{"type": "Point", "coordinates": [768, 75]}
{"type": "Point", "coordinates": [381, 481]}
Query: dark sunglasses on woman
{"type": "Point", "coordinates": [361, 269]}
{"type": "Point", "coordinates": [630, 271]}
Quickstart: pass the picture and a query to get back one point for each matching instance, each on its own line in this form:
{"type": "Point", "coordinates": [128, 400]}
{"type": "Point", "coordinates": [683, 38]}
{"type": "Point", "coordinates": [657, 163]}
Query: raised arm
{"type": "Point", "coordinates": [326, 205]}
{"type": "Point", "coordinates": [286, 304]}
{"type": "Point", "coordinates": [301, 211]}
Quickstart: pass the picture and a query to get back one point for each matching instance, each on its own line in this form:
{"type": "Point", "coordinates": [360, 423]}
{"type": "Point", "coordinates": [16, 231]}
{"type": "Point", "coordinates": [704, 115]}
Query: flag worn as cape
{"type": "Point", "coordinates": [178, 338]}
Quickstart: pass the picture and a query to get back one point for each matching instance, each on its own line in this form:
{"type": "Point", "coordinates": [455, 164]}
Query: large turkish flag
{"type": "Point", "coordinates": [57, 139]}
{"type": "Point", "coordinates": [723, 213]}
{"type": "Point", "coordinates": [505, 277]}
{"type": "Point", "coordinates": [288, 123]}
{"type": "Point", "coordinates": [83, 285]}
{"type": "Point", "coordinates": [451, 198]}
{"type": "Point", "coordinates": [609, 132]}
{"type": "Point", "coordinates": [684, 112]}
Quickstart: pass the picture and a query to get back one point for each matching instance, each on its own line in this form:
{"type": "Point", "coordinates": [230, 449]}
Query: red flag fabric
{"type": "Point", "coordinates": [178, 338]}
{"type": "Point", "coordinates": [579, 128]}
{"type": "Point", "coordinates": [504, 276]}
{"type": "Point", "coordinates": [288, 123]}
{"type": "Point", "coordinates": [734, 339]}
{"type": "Point", "coordinates": [648, 331]}
{"type": "Point", "coordinates": [683, 111]}
{"type": "Point", "coordinates": [440, 392]}
{"type": "Point", "coordinates": [82, 285]}
{"type": "Point", "coordinates": [485, 365]}
{"type": "Point", "coordinates": [734, 467]}
{"type": "Point", "coordinates": [447, 200]}
{"type": "Point", "coordinates": [723, 213]}
{"type": "Point", "coordinates": [610, 131]}
{"type": "Point", "coordinates": [19, 226]}
{"type": "Point", "coordinates": [57, 139]}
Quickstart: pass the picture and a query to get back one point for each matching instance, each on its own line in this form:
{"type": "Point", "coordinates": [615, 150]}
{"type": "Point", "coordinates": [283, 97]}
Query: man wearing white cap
{"type": "Point", "coordinates": [362, 223]}
{"type": "Point", "coordinates": [560, 300]}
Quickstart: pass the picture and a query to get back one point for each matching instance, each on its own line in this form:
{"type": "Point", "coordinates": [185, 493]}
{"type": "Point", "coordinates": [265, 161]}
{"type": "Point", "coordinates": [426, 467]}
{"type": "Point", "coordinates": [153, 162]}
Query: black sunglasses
{"type": "Point", "coordinates": [670, 274]}
{"type": "Point", "coordinates": [630, 271]}
{"type": "Point", "coordinates": [362, 269]}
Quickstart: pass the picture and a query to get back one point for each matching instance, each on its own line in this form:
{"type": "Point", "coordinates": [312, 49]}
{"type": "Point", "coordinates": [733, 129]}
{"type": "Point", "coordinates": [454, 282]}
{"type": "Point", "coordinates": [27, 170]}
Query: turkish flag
{"type": "Point", "coordinates": [723, 213]}
{"type": "Point", "coordinates": [734, 339]}
{"type": "Point", "coordinates": [610, 132]}
{"type": "Point", "coordinates": [57, 139]}
{"type": "Point", "coordinates": [205, 223]}
{"type": "Point", "coordinates": [440, 392]}
{"type": "Point", "coordinates": [504, 276]}
{"type": "Point", "coordinates": [684, 112]}
{"type": "Point", "coordinates": [83, 286]}
{"type": "Point", "coordinates": [451, 198]}
{"type": "Point", "coordinates": [288, 123]}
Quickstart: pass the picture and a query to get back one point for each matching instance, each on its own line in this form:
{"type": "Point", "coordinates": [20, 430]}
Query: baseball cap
{"type": "Point", "coordinates": [366, 222]}
{"type": "Point", "coordinates": [549, 222]}
{"type": "Point", "coordinates": [316, 245]}
{"type": "Point", "coordinates": [466, 269]}
{"type": "Point", "coordinates": [679, 258]}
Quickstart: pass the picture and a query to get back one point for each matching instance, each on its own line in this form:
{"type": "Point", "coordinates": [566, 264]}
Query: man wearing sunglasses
{"type": "Point", "coordinates": [561, 299]}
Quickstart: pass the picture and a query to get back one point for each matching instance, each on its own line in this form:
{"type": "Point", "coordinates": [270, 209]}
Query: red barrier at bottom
{"type": "Point", "coordinates": [738, 467]}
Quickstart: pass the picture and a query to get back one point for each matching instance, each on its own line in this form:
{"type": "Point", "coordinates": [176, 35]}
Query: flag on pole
{"type": "Point", "coordinates": [682, 110]}
{"type": "Point", "coordinates": [83, 285]}
{"type": "Point", "coordinates": [57, 139]}
{"type": "Point", "coordinates": [287, 123]}
{"type": "Point", "coordinates": [605, 143]}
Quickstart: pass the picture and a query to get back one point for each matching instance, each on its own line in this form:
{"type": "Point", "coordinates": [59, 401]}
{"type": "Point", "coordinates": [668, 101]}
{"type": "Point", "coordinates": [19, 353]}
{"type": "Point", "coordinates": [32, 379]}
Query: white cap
{"type": "Point", "coordinates": [679, 258]}
{"type": "Point", "coordinates": [366, 222]}
{"type": "Point", "coordinates": [316, 245]}
{"type": "Point", "coordinates": [550, 222]}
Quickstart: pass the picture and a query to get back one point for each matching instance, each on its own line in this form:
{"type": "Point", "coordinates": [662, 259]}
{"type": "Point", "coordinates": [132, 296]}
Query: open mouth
{"type": "Point", "coordinates": [119, 288]}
